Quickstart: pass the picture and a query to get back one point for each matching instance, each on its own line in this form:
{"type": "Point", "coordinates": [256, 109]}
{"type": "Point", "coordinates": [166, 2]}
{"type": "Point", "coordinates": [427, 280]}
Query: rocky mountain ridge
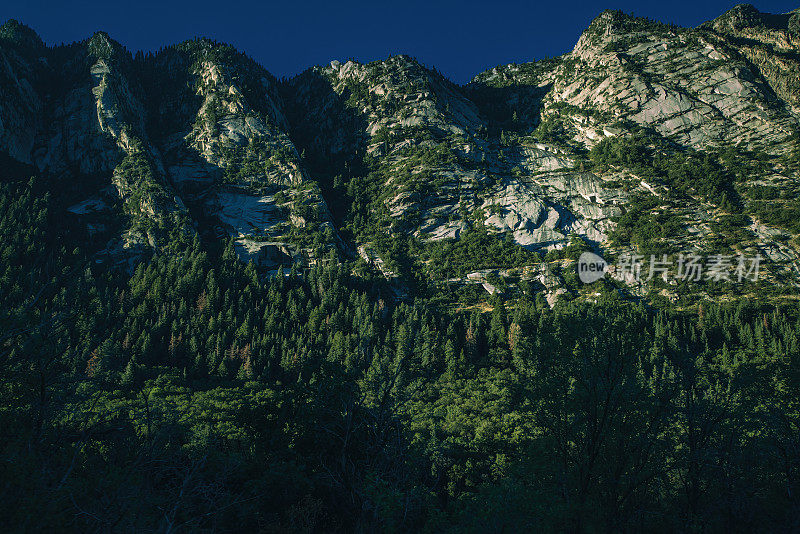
{"type": "Point", "coordinates": [646, 138]}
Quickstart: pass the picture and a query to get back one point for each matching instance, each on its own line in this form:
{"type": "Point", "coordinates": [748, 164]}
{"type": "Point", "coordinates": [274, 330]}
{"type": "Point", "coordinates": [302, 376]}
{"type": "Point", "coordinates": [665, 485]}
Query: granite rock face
{"type": "Point", "coordinates": [200, 139]}
{"type": "Point", "coordinates": [694, 86]}
{"type": "Point", "coordinates": [769, 42]}
{"type": "Point", "coordinates": [190, 140]}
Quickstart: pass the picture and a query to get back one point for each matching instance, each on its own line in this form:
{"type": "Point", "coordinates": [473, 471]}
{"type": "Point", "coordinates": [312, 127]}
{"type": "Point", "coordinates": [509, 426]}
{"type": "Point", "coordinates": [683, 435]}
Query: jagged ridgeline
{"type": "Point", "coordinates": [645, 138]}
{"type": "Point", "coordinates": [146, 151]}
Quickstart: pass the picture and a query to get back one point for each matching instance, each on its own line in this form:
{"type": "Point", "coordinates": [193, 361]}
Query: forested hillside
{"type": "Point", "coordinates": [349, 302]}
{"type": "Point", "coordinates": [196, 395]}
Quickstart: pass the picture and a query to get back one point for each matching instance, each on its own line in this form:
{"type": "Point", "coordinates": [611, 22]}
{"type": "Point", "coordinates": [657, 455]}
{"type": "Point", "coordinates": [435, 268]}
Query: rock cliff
{"type": "Point", "coordinates": [646, 138]}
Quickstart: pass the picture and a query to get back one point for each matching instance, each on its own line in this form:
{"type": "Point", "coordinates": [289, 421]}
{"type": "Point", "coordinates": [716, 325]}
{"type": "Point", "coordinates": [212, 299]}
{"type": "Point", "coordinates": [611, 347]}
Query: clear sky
{"type": "Point", "coordinates": [459, 38]}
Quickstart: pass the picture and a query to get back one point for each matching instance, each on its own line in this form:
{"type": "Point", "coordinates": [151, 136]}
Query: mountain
{"type": "Point", "coordinates": [645, 138]}
{"type": "Point", "coordinates": [192, 140]}
{"type": "Point", "coordinates": [560, 297]}
{"type": "Point", "coordinates": [430, 182]}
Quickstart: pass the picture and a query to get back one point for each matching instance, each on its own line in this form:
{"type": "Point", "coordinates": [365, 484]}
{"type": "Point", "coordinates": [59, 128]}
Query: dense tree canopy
{"type": "Point", "coordinates": [198, 394]}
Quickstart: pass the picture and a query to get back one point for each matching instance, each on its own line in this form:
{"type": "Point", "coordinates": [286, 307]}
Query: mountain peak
{"type": "Point", "coordinates": [615, 22]}
{"type": "Point", "coordinates": [608, 22]}
{"type": "Point", "coordinates": [103, 46]}
{"type": "Point", "coordinates": [21, 35]}
{"type": "Point", "coordinates": [745, 16]}
{"type": "Point", "coordinates": [738, 17]}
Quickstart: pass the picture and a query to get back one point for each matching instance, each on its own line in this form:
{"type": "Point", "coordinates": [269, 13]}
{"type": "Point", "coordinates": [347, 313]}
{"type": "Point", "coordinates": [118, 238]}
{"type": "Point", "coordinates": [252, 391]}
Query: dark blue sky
{"type": "Point", "coordinates": [459, 38]}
